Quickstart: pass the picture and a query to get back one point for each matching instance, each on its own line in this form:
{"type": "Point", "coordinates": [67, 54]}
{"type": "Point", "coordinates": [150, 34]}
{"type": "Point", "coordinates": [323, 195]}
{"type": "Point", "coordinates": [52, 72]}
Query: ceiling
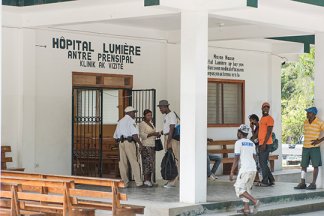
{"type": "Point", "coordinates": [170, 22]}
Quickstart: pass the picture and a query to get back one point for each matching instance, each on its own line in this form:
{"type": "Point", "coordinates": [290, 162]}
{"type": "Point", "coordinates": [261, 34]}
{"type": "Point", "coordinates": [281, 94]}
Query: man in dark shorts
{"type": "Point", "coordinates": [311, 149]}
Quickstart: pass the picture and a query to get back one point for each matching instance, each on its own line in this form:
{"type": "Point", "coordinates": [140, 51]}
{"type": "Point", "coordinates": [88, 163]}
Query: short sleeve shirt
{"type": "Point", "coordinates": [245, 148]}
{"type": "Point", "coordinates": [169, 119]}
{"type": "Point", "coordinates": [265, 122]}
{"type": "Point", "coordinates": [125, 127]}
{"type": "Point", "coordinates": [312, 132]}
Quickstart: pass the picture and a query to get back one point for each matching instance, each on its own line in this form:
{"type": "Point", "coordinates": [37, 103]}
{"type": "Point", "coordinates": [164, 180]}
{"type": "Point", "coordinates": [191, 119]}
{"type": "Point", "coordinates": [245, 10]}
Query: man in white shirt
{"type": "Point", "coordinates": [245, 153]}
{"type": "Point", "coordinates": [126, 134]}
{"type": "Point", "coordinates": [169, 122]}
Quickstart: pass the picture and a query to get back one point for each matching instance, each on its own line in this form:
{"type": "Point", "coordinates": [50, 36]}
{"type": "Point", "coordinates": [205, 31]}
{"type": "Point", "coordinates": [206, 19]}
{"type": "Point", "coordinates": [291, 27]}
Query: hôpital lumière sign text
{"type": "Point", "coordinates": [111, 55]}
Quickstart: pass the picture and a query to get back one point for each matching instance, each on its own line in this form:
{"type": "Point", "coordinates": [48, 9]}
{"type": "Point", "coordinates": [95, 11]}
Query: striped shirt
{"type": "Point", "coordinates": [312, 132]}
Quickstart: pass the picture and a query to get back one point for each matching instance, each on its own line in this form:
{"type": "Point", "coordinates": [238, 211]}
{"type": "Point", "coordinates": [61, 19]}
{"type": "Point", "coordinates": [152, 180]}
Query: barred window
{"type": "Point", "coordinates": [225, 102]}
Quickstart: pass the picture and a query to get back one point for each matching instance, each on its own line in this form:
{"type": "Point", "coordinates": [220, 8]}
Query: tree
{"type": "Point", "coordinates": [297, 93]}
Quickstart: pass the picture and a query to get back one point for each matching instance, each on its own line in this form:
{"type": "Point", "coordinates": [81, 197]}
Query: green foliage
{"type": "Point", "coordinates": [297, 93]}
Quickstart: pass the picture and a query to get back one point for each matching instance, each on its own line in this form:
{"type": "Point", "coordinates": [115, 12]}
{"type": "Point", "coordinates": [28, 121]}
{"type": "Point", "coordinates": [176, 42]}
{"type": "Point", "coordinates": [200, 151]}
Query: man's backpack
{"type": "Point", "coordinates": [168, 166]}
{"type": "Point", "coordinates": [275, 143]}
{"type": "Point", "coordinates": [176, 131]}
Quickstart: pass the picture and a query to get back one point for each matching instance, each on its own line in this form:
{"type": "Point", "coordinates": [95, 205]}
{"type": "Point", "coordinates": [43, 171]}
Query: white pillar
{"type": "Point", "coordinates": [275, 101]}
{"type": "Point", "coordinates": [1, 86]}
{"type": "Point", "coordinates": [193, 106]}
{"type": "Point", "coordinates": [319, 96]}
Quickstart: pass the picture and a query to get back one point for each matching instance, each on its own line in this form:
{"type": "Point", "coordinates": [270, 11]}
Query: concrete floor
{"type": "Point", "coordinates": [165, 201]}
{"type": "Point", "coordinates": [217, 191]}
{"type": "Point", "coordinates": [317, 213]}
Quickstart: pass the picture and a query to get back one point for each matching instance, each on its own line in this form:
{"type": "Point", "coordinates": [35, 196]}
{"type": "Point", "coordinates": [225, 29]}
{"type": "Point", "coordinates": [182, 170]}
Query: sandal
{"type": "Point", "coordinates": [243, 211]}
{"type": "Point", "coordinates": [260, 184]}
{"type": "Point", "coordinates": [256, 207]}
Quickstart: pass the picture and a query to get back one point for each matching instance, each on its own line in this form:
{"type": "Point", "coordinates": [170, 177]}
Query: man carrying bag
{"type": "Point", "coordinates": [169, 123]}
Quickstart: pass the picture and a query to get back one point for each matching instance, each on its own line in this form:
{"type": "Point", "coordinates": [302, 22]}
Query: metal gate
{"type": "Point", "coordinates": [87, 132]}
{"type": "Point", "coordinates": [143, 99]}
{"type": "Point", "coordinates": [88, 149]}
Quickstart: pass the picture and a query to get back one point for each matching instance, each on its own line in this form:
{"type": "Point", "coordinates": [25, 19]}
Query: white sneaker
{"type": "Point", "coordinates": [148, 183]}
{"type": "Point", "coordinates": [213, 177]}
{"type": "Point", "coordinates": [169, 185]}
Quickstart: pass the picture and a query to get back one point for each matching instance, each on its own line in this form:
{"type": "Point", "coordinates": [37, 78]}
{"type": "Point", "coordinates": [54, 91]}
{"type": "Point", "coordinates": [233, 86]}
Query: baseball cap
{"type": "Point", "coordinates": [311, 110]}
{"type": "Point", "coordinates": [130, 109]}
{"type": "Point", "coordinates": [244, 128]}
{"type": "Point", "coordinates": [265, 104]}
{"type": "Point", "coordinates": [163, 103]}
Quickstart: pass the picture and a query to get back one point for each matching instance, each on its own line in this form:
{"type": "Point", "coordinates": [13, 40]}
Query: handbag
{"type": "Point", "coordinates": [158, 144]}
{"type": "Point", "coordinates": [176, 132]}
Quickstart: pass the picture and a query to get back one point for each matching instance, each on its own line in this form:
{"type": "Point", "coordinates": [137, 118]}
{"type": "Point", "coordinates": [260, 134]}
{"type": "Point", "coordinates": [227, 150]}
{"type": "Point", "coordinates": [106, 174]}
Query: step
{"type": "Point", "coordinates": [278, 208]}
{"type": "Point", "coordinates": [233, 204]}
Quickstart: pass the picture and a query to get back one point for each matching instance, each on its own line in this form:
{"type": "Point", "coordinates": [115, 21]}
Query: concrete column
{"type": "Point", "coordinates": [1, 88]}
{"type": "Point", "coordinates": [193, 106]}
{"type": "Point", "coordinates": [275, 100]}
{"type": "Point", "coordinates": [319, 96]}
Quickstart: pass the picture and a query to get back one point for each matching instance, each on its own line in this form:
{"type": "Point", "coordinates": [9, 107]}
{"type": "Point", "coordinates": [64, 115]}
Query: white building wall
{"type": "Point", "coordinates": [11, 91]}
{"type": "Point", "coordinates": [262, 83]}
{"type": "Point", "coordinates": [39, 121]}
{"type": "Point", "coordinates": [54, 86]}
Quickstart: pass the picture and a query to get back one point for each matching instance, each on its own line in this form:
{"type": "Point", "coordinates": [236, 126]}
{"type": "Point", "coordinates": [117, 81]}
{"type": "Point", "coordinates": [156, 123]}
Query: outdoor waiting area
{"type": "Point", "coordinates": [93, 94]}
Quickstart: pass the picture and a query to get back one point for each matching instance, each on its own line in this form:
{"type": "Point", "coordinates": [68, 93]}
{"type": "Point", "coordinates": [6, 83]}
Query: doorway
{"type": "Point", "coordinates": [96, 109]}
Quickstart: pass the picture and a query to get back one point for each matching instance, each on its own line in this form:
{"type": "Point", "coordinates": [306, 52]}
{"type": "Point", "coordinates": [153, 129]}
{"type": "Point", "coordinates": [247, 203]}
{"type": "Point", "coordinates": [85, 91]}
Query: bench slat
{"type": "Point", "coordinates": [6, 159]}
{"type": "Point", "coordinates": [220, 151]}
{"type": "Point", "coordinates": [5, 148]}
{"type": "Point", "coordinates": [231, 160]}
{"type": "Point", "coordinates": [40, 197]}
{"type": "Point", "coordinates": [94, 204]}
{"type": "Point", "coordinates": [77, 179]}
{"type": "Point", "coordinates": [33, 182]}
{"type": "Point", "coordinates": [90, 193]}
{"type": "Point", "coordinates": [15, 169]}
{"type": "Point", "coordinates": [44, 208]}
{"type": "Point", "coordinates": [5, 194]}
{"type": "Point", "coordinates": [221, 142]}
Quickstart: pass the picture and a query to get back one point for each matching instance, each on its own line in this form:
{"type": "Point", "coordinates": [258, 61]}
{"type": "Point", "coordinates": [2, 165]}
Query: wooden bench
{"type": "Point", "coordinates": [39, 196]}
{"type": "Point", "coordinates": [81, 194]}
{"type": "Point", "coordinates": [9, 204]}
{"type": "Point", "coordinates": [226, 147]}
{"type": "Point", "coordinates": [5, 160]}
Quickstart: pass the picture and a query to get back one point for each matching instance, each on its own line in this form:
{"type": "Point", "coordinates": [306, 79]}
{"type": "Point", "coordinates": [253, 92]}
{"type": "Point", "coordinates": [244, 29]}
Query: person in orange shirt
{"type": "Point", "coordinates": [265, 140]}
{"type": "Point", "coordinates": [311, 148]}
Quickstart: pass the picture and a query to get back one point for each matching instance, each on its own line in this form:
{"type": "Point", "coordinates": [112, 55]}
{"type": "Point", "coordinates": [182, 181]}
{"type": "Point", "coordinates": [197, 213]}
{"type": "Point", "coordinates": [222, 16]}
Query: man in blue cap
{"type": "Point", "coordinates": [311, 149]}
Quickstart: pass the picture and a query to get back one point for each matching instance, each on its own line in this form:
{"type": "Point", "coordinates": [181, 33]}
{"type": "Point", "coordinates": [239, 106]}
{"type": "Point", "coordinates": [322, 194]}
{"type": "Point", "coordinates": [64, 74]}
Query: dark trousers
{"type": "Point", "coordinates": [263, 160]}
